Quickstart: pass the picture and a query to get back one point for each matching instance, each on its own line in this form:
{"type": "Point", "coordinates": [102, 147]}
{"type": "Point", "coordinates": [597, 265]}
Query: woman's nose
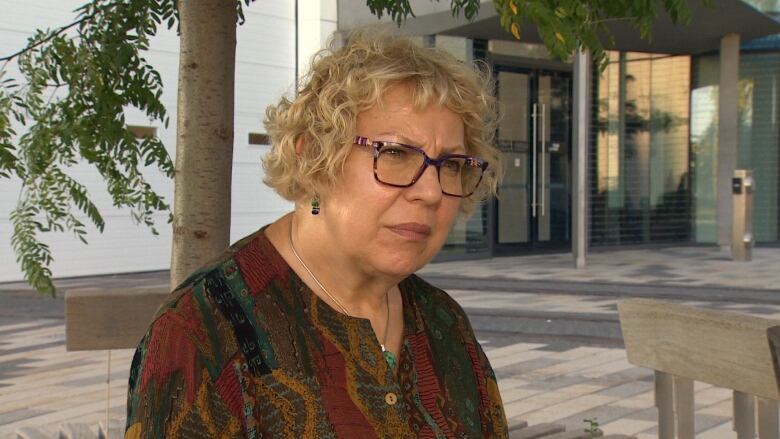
{"type": "Point", "coordinates": [427, 188]}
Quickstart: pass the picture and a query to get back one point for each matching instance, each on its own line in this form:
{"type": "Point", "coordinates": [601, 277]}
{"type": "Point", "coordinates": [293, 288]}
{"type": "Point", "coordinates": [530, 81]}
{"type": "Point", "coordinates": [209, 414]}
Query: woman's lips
{"type": "Point", "coordinates": [412, 231]}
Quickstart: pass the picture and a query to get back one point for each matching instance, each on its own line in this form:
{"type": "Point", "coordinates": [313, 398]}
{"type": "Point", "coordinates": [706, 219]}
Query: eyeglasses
{"type": "Point", "coordinates": [399, 165]}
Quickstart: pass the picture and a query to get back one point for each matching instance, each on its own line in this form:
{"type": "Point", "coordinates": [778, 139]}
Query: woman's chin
{"type": "Point", "coordinates": [403, 266]}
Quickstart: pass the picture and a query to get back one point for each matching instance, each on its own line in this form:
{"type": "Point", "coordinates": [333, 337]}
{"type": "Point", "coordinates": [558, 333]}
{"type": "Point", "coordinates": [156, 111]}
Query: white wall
{"type": "Point", "coordinates": [265, 70]}
{"type": "Point", "coordinates": [317, 21]}
{"type": "Point", "coordinates": [355, 13]}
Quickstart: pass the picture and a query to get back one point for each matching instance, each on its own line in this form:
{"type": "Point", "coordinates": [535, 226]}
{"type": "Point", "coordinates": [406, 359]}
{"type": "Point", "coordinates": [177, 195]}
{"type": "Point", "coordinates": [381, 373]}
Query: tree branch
{"type": "Point", "coordinates": [49, 37]}
{"type": "Point", "coordinates": [607, 20]}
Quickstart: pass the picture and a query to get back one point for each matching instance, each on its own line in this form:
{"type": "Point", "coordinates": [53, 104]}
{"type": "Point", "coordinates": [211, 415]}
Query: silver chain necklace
{"type": "Point", "coordinates": [343, 309]}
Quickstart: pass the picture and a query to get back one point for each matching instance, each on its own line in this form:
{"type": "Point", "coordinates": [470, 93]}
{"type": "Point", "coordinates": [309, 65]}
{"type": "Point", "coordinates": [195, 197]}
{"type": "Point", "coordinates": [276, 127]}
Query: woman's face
{"type": "Point", "coordinates": [388, 230]}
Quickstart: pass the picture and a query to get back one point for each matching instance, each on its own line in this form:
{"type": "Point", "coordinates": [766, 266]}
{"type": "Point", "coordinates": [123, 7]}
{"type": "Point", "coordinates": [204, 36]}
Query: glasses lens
{"type": "Point", "coordinates": [460, 176]}
{"type": "Point", "coordinates": [398, 164]}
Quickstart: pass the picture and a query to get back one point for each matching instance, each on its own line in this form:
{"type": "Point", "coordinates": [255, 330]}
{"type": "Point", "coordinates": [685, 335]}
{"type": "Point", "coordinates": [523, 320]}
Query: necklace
{"type": "Point", "coordinates": [389, 356]}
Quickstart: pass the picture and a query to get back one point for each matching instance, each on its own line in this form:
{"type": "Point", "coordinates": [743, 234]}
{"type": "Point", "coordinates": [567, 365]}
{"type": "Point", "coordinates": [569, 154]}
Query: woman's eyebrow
{"type": "Point", "coordinates": [399, 137]}
{"type": "Point", "coordinates": [455, 149]}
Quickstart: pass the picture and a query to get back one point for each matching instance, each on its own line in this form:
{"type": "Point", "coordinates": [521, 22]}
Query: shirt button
{"type": "Point", "coordinates": [391, 398]}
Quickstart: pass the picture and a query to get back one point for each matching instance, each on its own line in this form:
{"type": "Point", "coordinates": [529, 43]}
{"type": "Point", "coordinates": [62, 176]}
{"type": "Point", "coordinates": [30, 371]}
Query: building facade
{"type": "Point", "coordinates": [653, 160]}
{"type": "Point", "coordinates": [656, 140]}
{"type": "Point", "coordinates": [269, 44]}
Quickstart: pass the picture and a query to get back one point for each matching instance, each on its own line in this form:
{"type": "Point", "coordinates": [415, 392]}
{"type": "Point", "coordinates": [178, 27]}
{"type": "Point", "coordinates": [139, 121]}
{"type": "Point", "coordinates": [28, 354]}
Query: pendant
{"type": "Point", "coordinates": [389, 357]}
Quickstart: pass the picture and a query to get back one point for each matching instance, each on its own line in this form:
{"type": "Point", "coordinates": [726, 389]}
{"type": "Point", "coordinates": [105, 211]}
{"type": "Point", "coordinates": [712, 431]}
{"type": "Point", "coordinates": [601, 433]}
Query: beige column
{"type": "Point", "coordinates": [728, 127]}
{"type": "Point", "coordinates": [581, 94]}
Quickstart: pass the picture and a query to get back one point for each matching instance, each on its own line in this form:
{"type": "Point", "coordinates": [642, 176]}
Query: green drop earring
{"type": "Point", "coordinates": [315, 206]}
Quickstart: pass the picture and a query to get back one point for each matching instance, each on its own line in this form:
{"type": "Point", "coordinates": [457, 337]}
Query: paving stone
{"type": "Point", "coordinates": [627, 390]}
{"type": "Point", "coordinates": [536, 431]}
{"type": "Point", "coordinates": [88, 381]}
{"type": "Point", "coordinates": [557, 382]}
{"type": "Point", "coordinates": [33, 433]}
{"type": "Point", "coordinates": [27, 348]}
{"type": "Point", "coordinates": [723, 408]}
{"type": "Point", "coordinates": [520, 393]}
{"type": "Point", "coordinates": [8, 329]}
{"type": "Point", "coordinates": [603, 414]}
{"type": "Point", "coordinates": [27, 366]}
{"type": "Point", "coordinates": [758, 310]}
{"type": "Point", "coordinates": [526, 366]}
{"type": "Point", "coordinates": [627, 426]}
{"type": "Point", "coordinates": [701, 423]}
{"type": "Point", "coordinates": [560, 346]}
{"type": "Point", "coordinates": [77, 431]}
{"type": "Point", "coordinates": [115, 429]}
{"type": "Point", "coordinates": [10, 368]}
{"type": "Point", "coordinates": [17, 415]}
{"type": "Point", "coordinates": [723, 431]}
{"type": "Point", "coordinates": [648, 414]}
{"type": "Point", "coordinates": [568, 407]}
{"type": "Point", "coordinates": [575, 434]}
{"type": "Point", "coordinates": [627, 375]}
{"type": "Point", "coordinates": [516, 424]}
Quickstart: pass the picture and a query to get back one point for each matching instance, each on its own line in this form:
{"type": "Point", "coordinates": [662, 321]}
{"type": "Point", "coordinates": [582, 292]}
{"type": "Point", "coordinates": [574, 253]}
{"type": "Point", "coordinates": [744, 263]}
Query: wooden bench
{"type": "Point", "coordinates": [684, 344]}
{"type": "Point", "coordinates": [96, 319]}
{"type": "Point", "coordinates": [103, 319]}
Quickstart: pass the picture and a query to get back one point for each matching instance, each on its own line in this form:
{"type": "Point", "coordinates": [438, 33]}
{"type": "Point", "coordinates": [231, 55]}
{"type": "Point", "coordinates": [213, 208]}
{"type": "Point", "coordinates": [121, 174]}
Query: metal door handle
{"type": "Point", "coordinates": [544, 164]}
{"type": "Point", "coordinates": [533, 162]}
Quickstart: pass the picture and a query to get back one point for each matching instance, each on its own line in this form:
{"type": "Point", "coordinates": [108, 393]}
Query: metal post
{"type": "Point", "coordinates": [767, 418]}
{"type": "Point", "coordinates": [664, 401]}
{"type": "Point", "coordinates": [108, 397]}
{"type": "Point", "coordinates": [744, 415]}
{"type": "Point", "coordinates": [742, 223]}
{"type": "Point", "coordinates": [580, 158]}
{"type": "Point", "coordinates": [683, 408]}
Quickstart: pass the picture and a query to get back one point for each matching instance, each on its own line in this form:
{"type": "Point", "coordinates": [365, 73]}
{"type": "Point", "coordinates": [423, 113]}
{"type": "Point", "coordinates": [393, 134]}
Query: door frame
{"type": "Point", "coordinates": [535, 69]}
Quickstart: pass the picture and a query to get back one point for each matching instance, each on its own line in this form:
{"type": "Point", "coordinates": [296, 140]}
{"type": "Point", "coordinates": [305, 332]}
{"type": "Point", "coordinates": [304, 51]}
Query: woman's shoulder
{"type": "Point", "coordinates": [252, 258]}
{"type": "Point", "coordinates": [215, 308]}
{"type": "Point", "coordinates": [435, 304]}
{"type": "Point", "coordinates": [218, 270]}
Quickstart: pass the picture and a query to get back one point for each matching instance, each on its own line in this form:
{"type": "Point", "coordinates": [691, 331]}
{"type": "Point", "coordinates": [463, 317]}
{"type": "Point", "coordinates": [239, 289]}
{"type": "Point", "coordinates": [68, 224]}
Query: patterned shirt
{"type": "Point", "coordinates": [245, 349]}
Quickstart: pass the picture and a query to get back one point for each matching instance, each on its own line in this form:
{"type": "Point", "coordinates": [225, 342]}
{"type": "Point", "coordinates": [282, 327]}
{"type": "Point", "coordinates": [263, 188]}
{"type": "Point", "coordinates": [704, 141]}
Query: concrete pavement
{"type": "Point", "coordinates": [687, 267]}
{"type": "Point", "coordinates": [551, 366]}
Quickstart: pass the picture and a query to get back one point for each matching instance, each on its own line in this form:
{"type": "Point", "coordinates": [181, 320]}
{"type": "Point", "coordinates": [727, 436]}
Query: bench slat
{"type": "Point", "coordinates": [720, 348]}
{"type": "Point", "coordinates": [109, 319]}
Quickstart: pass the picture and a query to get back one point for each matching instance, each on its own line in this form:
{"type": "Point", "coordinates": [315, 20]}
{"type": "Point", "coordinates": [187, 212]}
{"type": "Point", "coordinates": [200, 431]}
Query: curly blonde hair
{"type": "Point", "coordinates": [343, 82]}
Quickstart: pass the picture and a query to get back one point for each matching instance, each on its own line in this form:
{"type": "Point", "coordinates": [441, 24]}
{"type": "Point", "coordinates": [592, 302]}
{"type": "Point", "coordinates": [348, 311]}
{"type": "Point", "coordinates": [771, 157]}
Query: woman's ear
{"type": "Point", "coordinates": [299, 143]}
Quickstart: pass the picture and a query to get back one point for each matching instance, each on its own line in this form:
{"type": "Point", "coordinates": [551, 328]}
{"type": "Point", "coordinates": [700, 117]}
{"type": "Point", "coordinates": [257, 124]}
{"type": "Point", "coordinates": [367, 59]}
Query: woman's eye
{"type": "Point", "coordinates": [393, 152]}
{"type": "Point", "coordinates": [451, 165]}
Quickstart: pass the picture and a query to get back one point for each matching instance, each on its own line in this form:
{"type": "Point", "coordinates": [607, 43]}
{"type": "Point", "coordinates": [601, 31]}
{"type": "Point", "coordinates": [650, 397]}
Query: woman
{"type": "Point", "coordinates": [315, 326]}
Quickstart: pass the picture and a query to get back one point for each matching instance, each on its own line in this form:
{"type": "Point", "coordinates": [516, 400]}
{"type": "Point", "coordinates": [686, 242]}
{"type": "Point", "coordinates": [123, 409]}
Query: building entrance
{"type": "Point", "coordinates": [533, 209]}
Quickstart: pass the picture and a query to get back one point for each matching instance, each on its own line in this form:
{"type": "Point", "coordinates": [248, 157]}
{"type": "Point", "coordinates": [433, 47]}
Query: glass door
{"type": "Point", "coordinates": [534, 135]}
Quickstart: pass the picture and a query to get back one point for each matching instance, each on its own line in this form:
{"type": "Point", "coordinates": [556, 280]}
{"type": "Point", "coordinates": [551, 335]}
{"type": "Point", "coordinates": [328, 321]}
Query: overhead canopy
{"type": "Point", "coordinates": [702, 34]}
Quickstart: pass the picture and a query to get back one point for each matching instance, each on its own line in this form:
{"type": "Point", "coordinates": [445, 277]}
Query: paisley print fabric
{"type": "Point", "coordinates": [244, 349]}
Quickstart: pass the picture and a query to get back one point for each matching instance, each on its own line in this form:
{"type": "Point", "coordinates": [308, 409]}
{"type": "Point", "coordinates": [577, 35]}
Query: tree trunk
{"type": "Point", "coordinates": [204, 134]}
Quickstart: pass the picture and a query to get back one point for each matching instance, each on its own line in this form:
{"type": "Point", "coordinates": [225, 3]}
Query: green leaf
{"type": "Point", "coordinates": [98, 73]}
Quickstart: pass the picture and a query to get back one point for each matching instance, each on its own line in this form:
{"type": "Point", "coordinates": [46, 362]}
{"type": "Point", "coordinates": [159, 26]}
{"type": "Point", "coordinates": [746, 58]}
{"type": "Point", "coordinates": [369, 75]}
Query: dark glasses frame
{"type": "Point", "coordinates": [470, 161]}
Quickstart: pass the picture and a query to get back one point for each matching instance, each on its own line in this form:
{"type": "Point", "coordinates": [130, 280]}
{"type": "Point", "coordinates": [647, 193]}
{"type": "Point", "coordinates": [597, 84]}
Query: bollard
{"type": "Point", "coordinates": [742, 227]}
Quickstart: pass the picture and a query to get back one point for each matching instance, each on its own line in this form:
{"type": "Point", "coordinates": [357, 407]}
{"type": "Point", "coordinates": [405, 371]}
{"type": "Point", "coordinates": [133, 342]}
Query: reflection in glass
{"type": "Point", "coordinates": [469, 235]}
{"type": "Point", "coordinates": [758, 144]}
{"type": "Point", "coordinates": [639, 150]}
